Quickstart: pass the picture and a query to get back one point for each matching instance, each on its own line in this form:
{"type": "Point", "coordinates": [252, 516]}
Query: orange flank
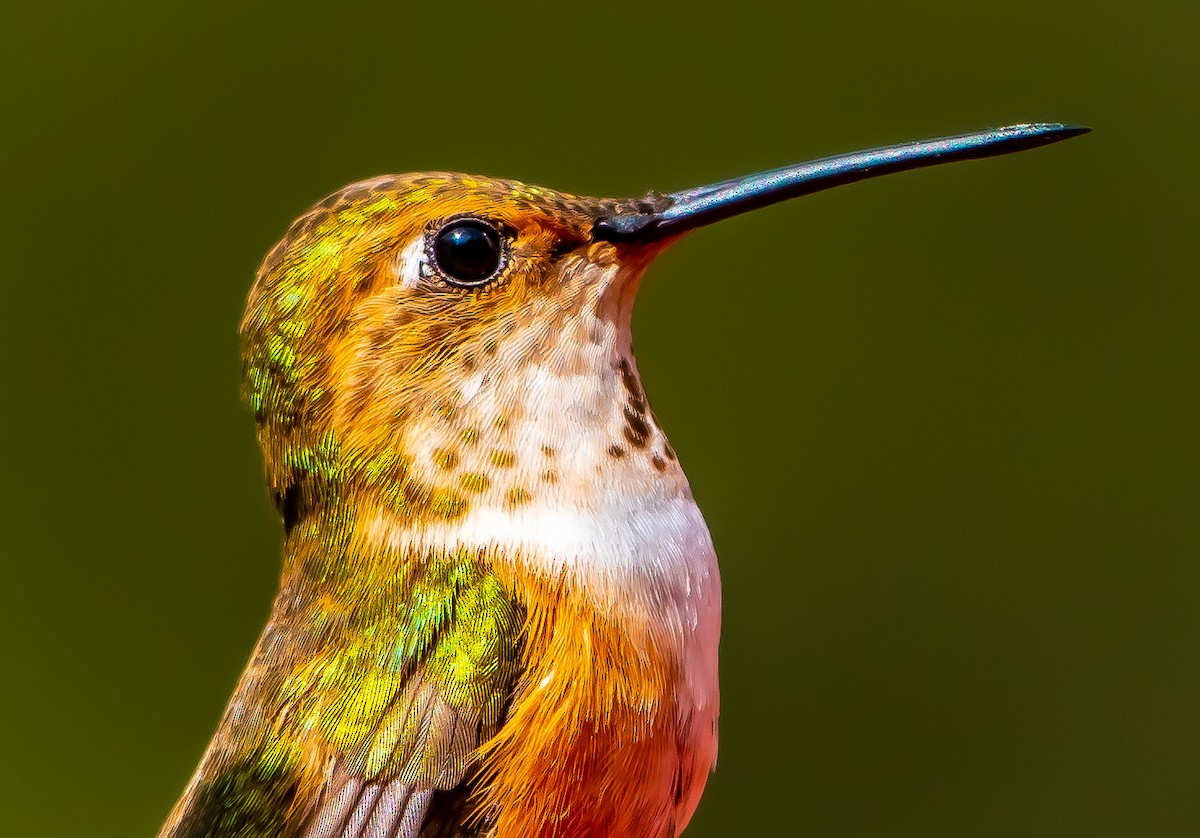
{"type": "Point", "coordinates": [596, 743]}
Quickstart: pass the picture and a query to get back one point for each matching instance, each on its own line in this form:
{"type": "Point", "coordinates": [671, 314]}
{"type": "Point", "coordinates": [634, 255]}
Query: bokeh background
{"type": "Point", "coordinates": [943, 425]}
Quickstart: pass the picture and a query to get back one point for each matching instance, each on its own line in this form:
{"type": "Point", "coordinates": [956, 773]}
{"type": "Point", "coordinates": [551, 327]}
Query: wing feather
{"type": "Point", "coordinates": [365, 725]}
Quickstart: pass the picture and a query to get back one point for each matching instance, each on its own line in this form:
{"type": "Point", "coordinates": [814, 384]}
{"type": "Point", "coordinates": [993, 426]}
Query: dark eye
{"type": "Point", "coordinates": [468, 251]}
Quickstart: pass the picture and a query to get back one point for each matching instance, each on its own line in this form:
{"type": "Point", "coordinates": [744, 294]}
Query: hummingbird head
{"type": "Point", "coordinates": [451, 342]}
{"type": "Point", "coordinates": [445, 338]}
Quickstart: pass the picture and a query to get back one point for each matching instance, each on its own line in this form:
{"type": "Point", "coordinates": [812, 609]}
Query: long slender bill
{"type": "Point", "coordinates": [703, 205]}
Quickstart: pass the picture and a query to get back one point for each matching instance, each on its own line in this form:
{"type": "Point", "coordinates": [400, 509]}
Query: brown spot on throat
{"type": "Point", "coordinates": [445, 460]}
{"type": "Point", "coordinates": [637, 399]}
{"type": "Point", "coordinates": [476, 482]}
{"type": "Point", "coordinates": [636, 429]}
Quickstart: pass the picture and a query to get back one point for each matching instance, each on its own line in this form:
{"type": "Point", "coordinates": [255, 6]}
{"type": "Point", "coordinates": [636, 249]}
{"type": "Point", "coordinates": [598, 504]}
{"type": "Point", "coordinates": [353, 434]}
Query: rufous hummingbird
{"type": "Point", "coordinates": [500, 607]}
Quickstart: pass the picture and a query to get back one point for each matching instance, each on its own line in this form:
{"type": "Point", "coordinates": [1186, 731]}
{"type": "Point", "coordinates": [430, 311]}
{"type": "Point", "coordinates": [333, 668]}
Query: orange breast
{"type": "Point", "coordinates": [597, 742]}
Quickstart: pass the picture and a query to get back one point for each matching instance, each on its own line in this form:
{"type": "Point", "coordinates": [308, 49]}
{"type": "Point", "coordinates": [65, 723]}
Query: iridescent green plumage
{"type": "Point", "coordinates": [368, 669]}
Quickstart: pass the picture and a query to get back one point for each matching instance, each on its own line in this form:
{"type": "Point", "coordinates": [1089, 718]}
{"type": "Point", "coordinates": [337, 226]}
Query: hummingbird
{"type": "Point", "coordinates": [499, 608]}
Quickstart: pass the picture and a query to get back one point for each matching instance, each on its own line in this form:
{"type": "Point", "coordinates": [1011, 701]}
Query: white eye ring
{"type": "Point", "coordinates": [412, 265]}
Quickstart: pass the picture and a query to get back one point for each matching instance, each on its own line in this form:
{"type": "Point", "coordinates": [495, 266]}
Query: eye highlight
{"type": "Point", "coordinates": [468, 252]}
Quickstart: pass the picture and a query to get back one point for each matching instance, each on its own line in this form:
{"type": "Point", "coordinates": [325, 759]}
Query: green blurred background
{"type": "Point", "coordinates": [943, 425]}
